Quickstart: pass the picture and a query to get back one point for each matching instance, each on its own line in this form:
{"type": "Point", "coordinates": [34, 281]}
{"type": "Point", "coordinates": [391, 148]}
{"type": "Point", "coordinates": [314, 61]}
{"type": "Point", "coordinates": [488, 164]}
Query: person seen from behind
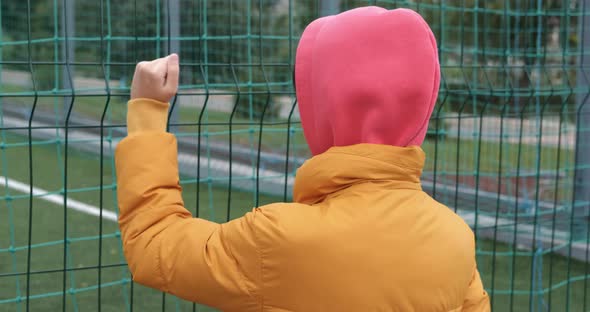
{"type": "Point", "coordinates": [360, 235]}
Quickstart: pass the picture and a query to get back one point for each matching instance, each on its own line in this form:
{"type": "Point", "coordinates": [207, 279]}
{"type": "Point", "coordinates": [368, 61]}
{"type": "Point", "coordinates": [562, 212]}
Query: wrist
{"type": "Point", "coordinates": [146, 115]}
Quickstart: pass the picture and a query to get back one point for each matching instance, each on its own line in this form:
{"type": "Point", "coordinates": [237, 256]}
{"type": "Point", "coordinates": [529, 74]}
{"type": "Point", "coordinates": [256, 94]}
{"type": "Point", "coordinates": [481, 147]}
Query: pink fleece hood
{"type": "Point", "coordinates": [368, 75]}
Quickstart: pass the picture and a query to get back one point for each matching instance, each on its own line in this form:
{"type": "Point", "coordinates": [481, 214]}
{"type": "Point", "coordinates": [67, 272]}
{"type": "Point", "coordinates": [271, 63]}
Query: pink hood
{"type": "Point", "coordinates": [368, 75]}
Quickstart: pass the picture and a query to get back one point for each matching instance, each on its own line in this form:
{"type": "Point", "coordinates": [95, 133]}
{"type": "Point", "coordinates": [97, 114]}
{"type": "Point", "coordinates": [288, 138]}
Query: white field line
{"type": "Point", "coordinates": [271, 178]}
{"type": "Point", "coordinates": [58, 199]}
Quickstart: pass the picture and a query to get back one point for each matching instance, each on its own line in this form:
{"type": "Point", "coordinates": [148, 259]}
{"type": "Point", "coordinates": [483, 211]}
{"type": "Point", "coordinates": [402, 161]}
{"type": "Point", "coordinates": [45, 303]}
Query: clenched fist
{"type": "Point", "coordinates": [156, 80]}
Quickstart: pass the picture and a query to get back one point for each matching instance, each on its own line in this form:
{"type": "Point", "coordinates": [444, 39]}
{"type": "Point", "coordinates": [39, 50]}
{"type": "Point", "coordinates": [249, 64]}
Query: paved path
{"type": "Point", "coordinates": [465, 126]}
{"type": "Point", "coordinates": [273, 182]}
{"type": "Point", "coordinates": [534, 130]}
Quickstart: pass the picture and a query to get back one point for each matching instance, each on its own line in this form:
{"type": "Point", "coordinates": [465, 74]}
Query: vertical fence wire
{"type": "Point", "coordinates": [30, 145]}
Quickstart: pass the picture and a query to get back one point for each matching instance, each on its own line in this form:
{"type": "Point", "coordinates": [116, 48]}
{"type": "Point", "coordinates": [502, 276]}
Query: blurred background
{"type": "Point", "coordinates": [507, 145]}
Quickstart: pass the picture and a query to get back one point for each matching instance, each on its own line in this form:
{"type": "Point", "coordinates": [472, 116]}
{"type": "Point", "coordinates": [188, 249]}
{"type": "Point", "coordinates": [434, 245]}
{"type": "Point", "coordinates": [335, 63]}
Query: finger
{"type": "Point", "coordinates": [173, 72]}
{"type": "Point", "coordinates": [160, 67]}
{"type": "Point", "coordinates": [141, 66]}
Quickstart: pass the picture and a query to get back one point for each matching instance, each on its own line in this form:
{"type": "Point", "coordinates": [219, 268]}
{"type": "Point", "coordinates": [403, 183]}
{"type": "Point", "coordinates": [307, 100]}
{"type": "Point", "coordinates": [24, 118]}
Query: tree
{"type": "Point", "coordinates": [480, 41]}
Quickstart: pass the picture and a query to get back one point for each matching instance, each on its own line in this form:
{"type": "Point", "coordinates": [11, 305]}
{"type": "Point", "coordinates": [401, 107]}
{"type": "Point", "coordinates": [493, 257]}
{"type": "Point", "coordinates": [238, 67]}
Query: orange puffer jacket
{"type": "Point", "coordinates": [361, 235]}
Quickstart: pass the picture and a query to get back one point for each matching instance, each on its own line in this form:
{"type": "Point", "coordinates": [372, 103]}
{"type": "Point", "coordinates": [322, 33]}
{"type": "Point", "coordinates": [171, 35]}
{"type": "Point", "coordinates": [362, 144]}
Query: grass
{"type": "Point", "coordinates": [467, 156]}
{"type": "Point", "coordinates": [83, 248]}
{"type": "Point", "coordinates": [450, 156]}
{"type": "Point", "coordinates": [82, 231]}
{"type": "Point", "coordinates": [499, 268]}
{"type": "Point", "coordinates": [453, 156]}
{"type": "Point", "coordinates": [215, 124]}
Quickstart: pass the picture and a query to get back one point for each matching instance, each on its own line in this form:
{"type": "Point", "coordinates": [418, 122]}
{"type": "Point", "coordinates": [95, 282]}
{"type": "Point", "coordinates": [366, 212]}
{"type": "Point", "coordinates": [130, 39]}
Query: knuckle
{"type": "Point", "coordinates": [170, 92]}
{"type": "Point", "coordinates": [143, 69]}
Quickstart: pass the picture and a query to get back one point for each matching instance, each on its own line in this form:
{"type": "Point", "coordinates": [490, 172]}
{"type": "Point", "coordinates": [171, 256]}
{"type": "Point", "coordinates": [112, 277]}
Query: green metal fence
{"type": "Point", "coordinates": [506, 148]}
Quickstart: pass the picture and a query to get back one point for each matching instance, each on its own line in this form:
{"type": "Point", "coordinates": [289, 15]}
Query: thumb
{"type": "Point", "coordinates": [173, 72]}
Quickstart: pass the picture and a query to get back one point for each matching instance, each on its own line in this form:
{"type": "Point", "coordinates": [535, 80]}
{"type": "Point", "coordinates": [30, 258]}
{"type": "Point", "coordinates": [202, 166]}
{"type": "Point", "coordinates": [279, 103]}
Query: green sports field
{"type": "Point", "coordinates": [85, 253]}
{"type": "Point", "coordinates": [87, 261]}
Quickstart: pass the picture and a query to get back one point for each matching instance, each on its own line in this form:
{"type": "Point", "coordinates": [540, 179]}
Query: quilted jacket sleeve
{"type": "Point", "coordinates": [477, 299]}
{"type": "Point", "coordinates": [165, 247]}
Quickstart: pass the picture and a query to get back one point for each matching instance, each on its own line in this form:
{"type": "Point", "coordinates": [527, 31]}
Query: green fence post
{"type": "Point", "coordinates": [582, 174]}
{"type": "Point", "coordinates": [329, 7]}
{"type": "Point", "coordinates": [68, 22]}
{"type": "Point", "coordinates": [172, 26]}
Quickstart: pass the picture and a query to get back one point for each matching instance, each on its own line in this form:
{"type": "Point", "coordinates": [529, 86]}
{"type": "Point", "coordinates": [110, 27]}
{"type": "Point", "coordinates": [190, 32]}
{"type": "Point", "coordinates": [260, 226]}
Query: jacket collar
{"type": "Point", "coordinates": [341, 167]}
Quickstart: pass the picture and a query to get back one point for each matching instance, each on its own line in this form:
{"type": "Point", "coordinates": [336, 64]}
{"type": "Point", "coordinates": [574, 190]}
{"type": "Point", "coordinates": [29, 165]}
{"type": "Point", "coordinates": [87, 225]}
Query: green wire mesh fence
{"type": "Point", "coordinates": [506, 146]}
